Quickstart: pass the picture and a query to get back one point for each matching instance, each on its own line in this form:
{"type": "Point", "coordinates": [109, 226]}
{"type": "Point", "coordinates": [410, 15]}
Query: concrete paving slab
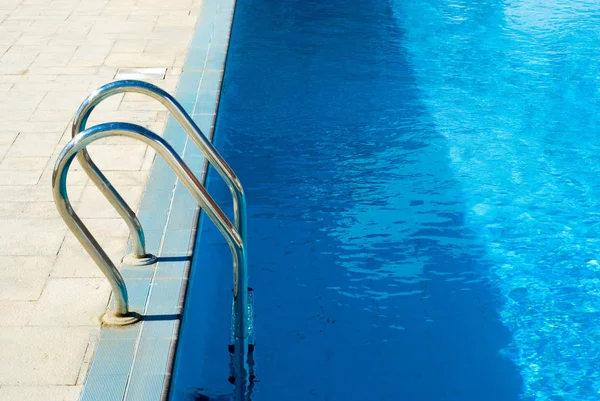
{"type": "Point", "coordinates": [22, 278]}
{"type": "Point", "coordinates": [93, 204]}
{"type": "Point", "coordinates": [71, 262]}
{"type": "Point", "coordinates": [31, 237]}
{"type": "Point", "coordinates": [41, 355]}
{"type": "Point", "coordinates": [40, 393]}
{"type": "Point", "coordinates": [60, 303]}
{"type": "Point", "coordinates": [15, 313]}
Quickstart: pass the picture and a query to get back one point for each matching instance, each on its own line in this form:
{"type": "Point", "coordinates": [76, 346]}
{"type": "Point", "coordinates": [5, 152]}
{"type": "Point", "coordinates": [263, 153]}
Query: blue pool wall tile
{"type": "Point", "coordinates": [104, 388]}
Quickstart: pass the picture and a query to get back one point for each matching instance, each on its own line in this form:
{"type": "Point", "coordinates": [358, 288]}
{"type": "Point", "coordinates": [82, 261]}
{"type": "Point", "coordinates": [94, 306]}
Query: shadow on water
{"type": "Point", "coordinates": [368, 284]}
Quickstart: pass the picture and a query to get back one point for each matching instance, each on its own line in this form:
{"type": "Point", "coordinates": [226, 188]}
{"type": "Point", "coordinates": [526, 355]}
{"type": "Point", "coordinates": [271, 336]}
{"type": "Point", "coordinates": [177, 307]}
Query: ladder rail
{"type": "Point", "coordinates": [174, 161]}
{"type": "Point", "coordinates": [121, 314]}
{"type": "Point", "coordinates": [192, 130]}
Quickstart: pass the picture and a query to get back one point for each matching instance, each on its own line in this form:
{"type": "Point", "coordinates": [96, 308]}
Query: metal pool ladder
{"type": "Point", "coordinates": [241, 338]}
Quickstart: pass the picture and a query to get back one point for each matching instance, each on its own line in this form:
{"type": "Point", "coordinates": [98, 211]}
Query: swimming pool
{"type": "Point", "coordinates": [422, 182]}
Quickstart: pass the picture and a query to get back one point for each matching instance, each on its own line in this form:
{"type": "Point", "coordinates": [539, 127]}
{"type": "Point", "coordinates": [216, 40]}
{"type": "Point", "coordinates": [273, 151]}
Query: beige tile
{"type": "Point", "coordinates": [179, 61]}
{"type": "Point", "coordinates": [22, 278]}
{"type": "Point", "coordinates": [162, 115]}
{"type": "Point", "coordinates": [8, 37]}
{"type": "Point", "coordinates": [15, 313]}
{"type": "Point", "coordinates": [141, 105]}
{"type": "Point", "coordinates": [88, 357]}
{"type": "Point", "coordinates": [157, 127]}
{"type": "Point", "coordinates": [88, 8]}
{"type": "Point", "coordinates": [42, 193]}
{"type": "Point", "coordinates": [40, 210]}
{"type": "Point", "coordinates": [118, 157]}
{"type": "Point", "coordinates": [128, 178]}
{"type": "Point", "coordinates": [149, 158]}
{"type": "Point", "coordinates": [135, 16]}
{"type": "Point", "coordinates": [88, 55]}
{"type": "Point", "coordinates": [19, 108]}
{"type": "Point", "coordinates": [123, 7]}
{"type": "Point", "coordinates": [18, 54]}
{"type": "Point", "coordinates": [73, 29]}
{"type": "Point", "coordinates": [15, 63]}
{"type": "Point", "coordinates": [177, 21]}
{"type": "Point", "coordinates": [159, 46]}
{"type": "Point", "coordinates": [120, 140]}
{"type": "Point", "coordinates": [12, 24]}
{"type": "Point", "coordinates": [174, 72]}
{"type": "Point", "coordinates": [11, 209]}
{"type": "Point", "coordinates": [19, 177]}
{"type": "Point", "coordinates": [19, 50]}
{"type": "Point", "coordinates": [107, 73]}
{"type": "Point", "coordinates": [30, 237]}
{"type": "Point", "coordinates": [7, 138]}
{"type": "Point", "coordinates": [79, 83]}
{"type": "Point", "coordinates": [140, 59]}
{"type": "Point", "coordinates": [47, 59]}
{"type": "Point", "coordinates": [3, 150]}
{"type": "Point", "coordinates": [40, 393]}
{"type": "Point", "coordinates": [12, 78]}
{"type": "Point", "coordinates": [75, 179]}
{"type": "Point", "coordinates": [38, 78]}
{"type": "Point", "coordinates": [73, 261]}
{"type": "Point", "coordinates": [71, 302]}
{"type": "Point", "coordinates": [44, 27]}
{"type": "Point", "coordinates": [142, 12]}
{"type": "Point", "coordinates": [33, 39]}
{"type": "Point", "coordinates": [77, 41]}
{"type": "Point", "coordinates": [120, 25]}
{"type": "Point", "coordinates": [169, 83]}
{"type": "Point", "coordinates": [27, 10]}
{"type": "Point", "coordinates": [105, 228]}
{"type": "Point", "coordinates": [69, 70]}
{"type": "Point", "coordinates": [23, 163]}
{"type": "Point", "coordinates": [129, 46]}
{"type": "Point", "coordinates": [62, 101]}
{"type": "Point", "coordinates": [93, 204]}
{"type": "Point", "coordinates": [34, 145]}
{"type": "Point", "coordinates": [41, 355]}
{"type": "Point", "coordinates": [137, 116]}
{"type": "Point", "coordinates": [13, 113]}
{"type": "Point", "coordinates": [108, 104]}
{"type": "Point", "coordinates": [52, 115]}
{"type": "Point", "coordinates": [26, 86]}
{"type": "Point", "coordinates": [36, 127]}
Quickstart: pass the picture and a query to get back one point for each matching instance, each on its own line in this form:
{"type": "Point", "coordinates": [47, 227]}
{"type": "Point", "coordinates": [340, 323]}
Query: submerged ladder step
{"type": "Point", "coordinates": [251, 345]}
{"type": "Point", "coordinates": [250, 324]}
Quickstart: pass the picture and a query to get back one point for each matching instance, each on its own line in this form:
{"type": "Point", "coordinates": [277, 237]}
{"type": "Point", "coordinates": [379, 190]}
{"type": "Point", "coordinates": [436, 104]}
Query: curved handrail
{"type": "Point", "coordinates": [190, 127]}
{"type": "Point", "coordinates": [206, 202]}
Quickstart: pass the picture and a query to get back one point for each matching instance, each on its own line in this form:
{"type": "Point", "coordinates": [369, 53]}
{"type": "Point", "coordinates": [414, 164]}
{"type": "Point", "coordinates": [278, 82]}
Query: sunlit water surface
{"type": "Point", "coordinates": [422, 181]}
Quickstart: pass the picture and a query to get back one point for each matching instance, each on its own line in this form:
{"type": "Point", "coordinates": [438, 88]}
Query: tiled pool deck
{"type": "Point", "coordinates": [134, 363]}
{"type": "Point", "coordinates": [53, 53]}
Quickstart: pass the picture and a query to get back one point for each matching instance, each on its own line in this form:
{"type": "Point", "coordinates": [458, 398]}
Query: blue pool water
{"type": "Point", "coordinates": [422, 183]}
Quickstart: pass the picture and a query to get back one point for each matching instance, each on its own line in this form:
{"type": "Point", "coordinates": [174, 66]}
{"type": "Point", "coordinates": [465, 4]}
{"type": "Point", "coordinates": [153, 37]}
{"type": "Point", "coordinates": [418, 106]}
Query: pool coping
{"type": "Point", "coordinates": [135, 362]}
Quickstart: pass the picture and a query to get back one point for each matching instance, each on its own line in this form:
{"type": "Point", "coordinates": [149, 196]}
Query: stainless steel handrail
{"type": "Point", "coordinates": [190, 127]}
{"type": "Point", "coordinates": [121, 314]}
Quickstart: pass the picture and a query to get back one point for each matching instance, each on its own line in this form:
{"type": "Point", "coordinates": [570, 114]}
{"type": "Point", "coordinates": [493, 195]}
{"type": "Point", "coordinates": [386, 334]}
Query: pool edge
{"type": "Point", "coordinates": [136, 362]}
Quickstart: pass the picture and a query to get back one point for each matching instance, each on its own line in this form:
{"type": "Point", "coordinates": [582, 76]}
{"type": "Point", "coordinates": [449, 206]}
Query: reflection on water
{"type": "Point", "coordinates": [422, 184]}
{"type": "Point", "coordinates": [513, 86]}
{"type": "Point", "coordinates": [370, 283]}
